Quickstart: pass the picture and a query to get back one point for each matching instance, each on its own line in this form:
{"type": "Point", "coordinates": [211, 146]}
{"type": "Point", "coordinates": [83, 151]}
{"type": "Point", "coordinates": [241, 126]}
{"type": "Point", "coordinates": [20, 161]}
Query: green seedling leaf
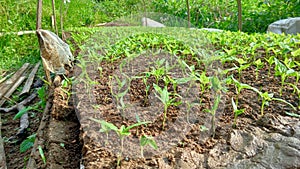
{"type": "Point", "coordinates": [293, 114]}
{"type": "Point", "coordinates": [296, 53]}
{"type": "Point", "coordinates": [42, 154]}
{"type": "Point", "coordinates": [22, 112]}
{"type": "Point", "coordinates": [233, 105]}
{"type": "Point", "coordinates": [203, 78]}
{"type": "Point", "coordinates": [28, 143]}
{"type": "Point", "coordinates": [244, 86]}
{"type": "Point", "coordinates": [135, 125]}
{"type": "Point", "coordinates": [237, 111]}
{"type": "Point", "coordinates": [280, 68]}
{"type": "Point", "coordinates": [105, 125]}
{"type": "Point", "coordinates": [216, 84]}
{"type": "Point", "coordinates": [203, 128]}
{"type": "Point", "coordinates": [148, 140]}
{"type": "Point", "coordinates": [183, 80]}
{"type": "Point", "coordinates": [284, 101]}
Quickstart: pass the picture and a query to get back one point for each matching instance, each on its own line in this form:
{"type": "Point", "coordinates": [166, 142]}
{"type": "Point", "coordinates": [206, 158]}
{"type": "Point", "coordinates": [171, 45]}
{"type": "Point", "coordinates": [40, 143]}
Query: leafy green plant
{"type": "Point", "coordinates": [122, 132]}
{"type": "Point", "coordinates": [217, 88]}
{"type": "Point", "coordinates": [297, 91]}
{"type": "Point", "coordinates": [27, 143]}
{"type": "Point", "coordinates": [147, 87]}
{"type": "Point", "coordinates": [147, 140]}
{"type": "Point", "coordinates": [258, 64]}
{"type": "Point", "coordinates": [239, 86]}
{"type": "Point", "coordinates": [271, 61]}
{"type": "Point", "coordinates": [165, 97]}
{"type": "Point", "coordinates": [122, 90]}
{"type": "Point", "coordinates": [242, 66]}
{"type": "Point", "coordinates": [267, 97]}
{"type": "Point", "coordinates": [66, 85]}
{"type": "Point", "coordinates": [159, 70]}
{"type": "Point", "coordinates": [284, 72]}
{"type": "Point", "coordinates": [236, 112]}
{"type": "Point", "coordinates": [42, 93]}
{"type": "Point", "coordinates": [22, 112]}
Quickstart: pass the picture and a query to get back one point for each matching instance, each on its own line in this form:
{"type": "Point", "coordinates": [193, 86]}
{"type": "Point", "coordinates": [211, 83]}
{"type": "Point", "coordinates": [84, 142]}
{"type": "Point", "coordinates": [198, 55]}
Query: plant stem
{"type": "Point", "coordinates": [262, 107]}
{"type": "Point", "coordinates": [213, 127]}
{"type": "Point", "coordinates": [142, 151]}
{"type": "Point", "coordinates": [165, 115]}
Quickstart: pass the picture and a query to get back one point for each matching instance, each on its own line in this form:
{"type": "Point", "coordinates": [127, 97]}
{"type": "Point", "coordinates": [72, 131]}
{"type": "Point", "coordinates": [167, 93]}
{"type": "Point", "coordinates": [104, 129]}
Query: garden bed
{"type": "Point", "coordinates": [196, 130]}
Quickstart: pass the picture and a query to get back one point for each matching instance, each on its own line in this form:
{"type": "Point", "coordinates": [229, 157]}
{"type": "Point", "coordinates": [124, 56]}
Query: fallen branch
{"type": "Point", "coordinates": [24, 102]}
{"type": "Point", "coordinates": [24, 122]}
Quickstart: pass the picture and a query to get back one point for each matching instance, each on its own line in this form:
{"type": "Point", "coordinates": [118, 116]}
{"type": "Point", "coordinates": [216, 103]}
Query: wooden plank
{"type": "Point", "coordinates": [29, 81]}
{"type": "Point", "coordinates": [5, 78]}
{"type": "Point", "coordinates": [7, 85]}
{"type": "Point", "coordinates": [12, 89]}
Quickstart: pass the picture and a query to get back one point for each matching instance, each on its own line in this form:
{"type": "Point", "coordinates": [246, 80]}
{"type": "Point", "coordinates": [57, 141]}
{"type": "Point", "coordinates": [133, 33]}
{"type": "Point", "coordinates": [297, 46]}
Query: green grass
{"type": "Point", "coordinates": [17, 50]}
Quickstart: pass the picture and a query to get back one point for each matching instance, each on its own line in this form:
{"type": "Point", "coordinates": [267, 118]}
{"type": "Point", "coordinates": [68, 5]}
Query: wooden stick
{"type": "Point", "coordinates": [24, 102]}
{"type": "Point", "coordinates": [7, 85]}
{"type": "Point", "coordinates": [18, 33]}
{"type": "Point", "coordinates": [2, 151]}
{"type": "Point", "coordinates": [39, 14]}
{"type": "Point", "coordinates": [29, 81]}
{"type": "Point", "coordinates": [54, 17]}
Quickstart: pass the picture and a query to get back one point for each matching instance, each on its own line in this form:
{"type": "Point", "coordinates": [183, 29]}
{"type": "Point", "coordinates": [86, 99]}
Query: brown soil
{"type": "Point", "coordinates": [9, 129]}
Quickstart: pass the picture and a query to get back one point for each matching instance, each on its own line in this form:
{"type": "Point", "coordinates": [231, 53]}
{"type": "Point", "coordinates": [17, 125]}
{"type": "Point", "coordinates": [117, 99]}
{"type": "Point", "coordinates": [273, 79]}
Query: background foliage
{"type": "Point", "coordinates": [222, 14]}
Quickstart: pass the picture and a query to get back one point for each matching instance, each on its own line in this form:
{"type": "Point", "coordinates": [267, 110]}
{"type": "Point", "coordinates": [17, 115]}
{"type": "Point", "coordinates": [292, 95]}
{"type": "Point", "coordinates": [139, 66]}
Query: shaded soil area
{"type": "Point", "coordinates": [57, 133]}
{"type": "Point", "coordinates": [14, 158]}
{"type": "Point", "coordinates": [186, 140]}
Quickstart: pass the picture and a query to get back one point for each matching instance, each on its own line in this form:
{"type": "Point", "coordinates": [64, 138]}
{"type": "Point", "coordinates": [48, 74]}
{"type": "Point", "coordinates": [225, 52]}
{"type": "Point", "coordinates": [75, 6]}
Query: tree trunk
{"type": "Point", "coordinates": [239, 2]}
{"type": "Point", "coordinates": [188, 13]}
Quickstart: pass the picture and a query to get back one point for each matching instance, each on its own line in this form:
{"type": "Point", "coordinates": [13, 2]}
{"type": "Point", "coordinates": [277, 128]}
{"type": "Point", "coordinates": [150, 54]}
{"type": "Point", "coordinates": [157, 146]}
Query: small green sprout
{"type": "Point", "coordinates": [147, 140]}
{"type": "Point", "coordinates": [165, 97]}
{"type": "Point", "coordinates": [122, 132]}
{"type": "Point", "coordinates": [236, 112]}
{"type": "Point", "coordinates": [258, 64]}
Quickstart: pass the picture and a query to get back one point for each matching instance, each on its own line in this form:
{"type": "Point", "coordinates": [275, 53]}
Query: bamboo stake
{"type": "Point", "coordinates": [54, 16]}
